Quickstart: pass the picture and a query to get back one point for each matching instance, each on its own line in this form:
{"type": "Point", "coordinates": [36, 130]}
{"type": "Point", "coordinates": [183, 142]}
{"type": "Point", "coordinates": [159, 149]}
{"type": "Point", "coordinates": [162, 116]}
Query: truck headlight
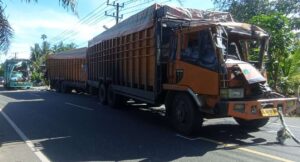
{"type": "Point", "coordinates": [232, 93]}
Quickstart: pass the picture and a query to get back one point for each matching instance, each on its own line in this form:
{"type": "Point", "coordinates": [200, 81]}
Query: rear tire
{"type": "Point", "coordinates": [92, 90]}
{"type": "Point", "coordinates": [58, 87]}
{"type": "Point", "coordinates": [114, 100]}
{"type": "Point", "coordinates": [65, 88]}
{"type": "Point", "coordinates": [252, 124]}
{"type": "Point", "coordinates": [184, 115]}
{"type": "Point", "coordinates": [52, 86]}
{"type": "Point", "coordinates": [102, 94]}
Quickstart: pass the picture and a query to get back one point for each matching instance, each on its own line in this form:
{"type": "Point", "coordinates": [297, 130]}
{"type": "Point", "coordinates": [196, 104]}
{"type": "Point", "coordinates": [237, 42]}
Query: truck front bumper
{"type": "Point", "coordinates": [257, 109]}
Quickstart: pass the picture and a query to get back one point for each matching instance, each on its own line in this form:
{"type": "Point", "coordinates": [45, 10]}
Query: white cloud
{"type": "Point", "coordinates": [28, 31]}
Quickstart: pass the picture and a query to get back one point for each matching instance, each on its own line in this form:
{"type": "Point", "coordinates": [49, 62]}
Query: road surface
{"type": "Point", "coordinates": [42, 125]}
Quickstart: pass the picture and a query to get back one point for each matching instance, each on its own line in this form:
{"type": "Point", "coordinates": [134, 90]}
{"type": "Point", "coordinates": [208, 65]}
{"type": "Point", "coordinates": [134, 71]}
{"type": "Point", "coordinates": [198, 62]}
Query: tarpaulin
{"type": "Point", "coordinates": [70, 54]}
{"type": "Point", "coordinates": [146, 18]}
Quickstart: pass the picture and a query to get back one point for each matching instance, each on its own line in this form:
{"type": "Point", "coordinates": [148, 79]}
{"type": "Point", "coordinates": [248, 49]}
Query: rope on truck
{"type": "Point", "coordinates": [285, 133]}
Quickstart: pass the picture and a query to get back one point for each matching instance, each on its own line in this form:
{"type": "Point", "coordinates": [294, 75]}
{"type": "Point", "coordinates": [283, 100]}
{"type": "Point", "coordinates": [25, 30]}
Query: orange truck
{"type": "Point", "coordinates": [67, 70]}
{"type": "Point", "coordinates": [199, 64]}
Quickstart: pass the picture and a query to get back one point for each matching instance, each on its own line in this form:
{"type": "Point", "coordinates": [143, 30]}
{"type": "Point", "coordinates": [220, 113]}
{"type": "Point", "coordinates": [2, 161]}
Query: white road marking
{"type": "Point", "coordinates": [271, 131]}
{"type": "Point", "coordinates": [36, 151]}
{"type": "Point", "coordinates": [81, 107]}
{"type": "Point", "coordinates": [287, 125]}
{"type": "Point", "coordinates": [237, 147]}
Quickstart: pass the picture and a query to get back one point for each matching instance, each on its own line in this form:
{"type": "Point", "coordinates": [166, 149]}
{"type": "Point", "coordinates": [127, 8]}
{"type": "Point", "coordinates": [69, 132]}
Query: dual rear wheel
{"type": "Point", "coordinates": [107, 95]}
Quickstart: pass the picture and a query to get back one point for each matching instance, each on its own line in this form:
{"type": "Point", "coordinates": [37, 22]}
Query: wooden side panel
{"type": "Point", "coordinates": [67, 69]}
{"type": "Point", "coordinates": [127, 60]}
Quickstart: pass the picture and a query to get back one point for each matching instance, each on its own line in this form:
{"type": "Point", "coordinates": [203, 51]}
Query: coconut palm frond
{"type": "Point", "coordinates": [6, 32]}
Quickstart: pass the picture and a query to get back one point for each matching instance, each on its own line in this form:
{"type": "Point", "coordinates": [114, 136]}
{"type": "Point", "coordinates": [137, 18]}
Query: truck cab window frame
{"type": "Point", "coordinates": [198, 49]}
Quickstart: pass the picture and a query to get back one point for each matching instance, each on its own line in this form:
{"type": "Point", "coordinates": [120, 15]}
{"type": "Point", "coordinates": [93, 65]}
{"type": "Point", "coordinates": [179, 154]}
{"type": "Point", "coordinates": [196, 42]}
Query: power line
{"type": "Point", "coordinates": [115, 14]}
{"type": "Point", "coordinates": [93, 18]}
{"type": "Point", "coordinates": [96, 20]}
{"type": "Point", "coordinates": [84, 19]}
{"type": "Point", "coordinates": [90, 23]}
{"type": "Point", "coordinates": [71, 32]}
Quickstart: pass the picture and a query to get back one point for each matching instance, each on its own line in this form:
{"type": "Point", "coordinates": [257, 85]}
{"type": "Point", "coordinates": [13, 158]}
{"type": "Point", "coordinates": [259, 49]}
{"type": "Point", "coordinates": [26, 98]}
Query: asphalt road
{"type": "Point", "coordinates": [40, 125]}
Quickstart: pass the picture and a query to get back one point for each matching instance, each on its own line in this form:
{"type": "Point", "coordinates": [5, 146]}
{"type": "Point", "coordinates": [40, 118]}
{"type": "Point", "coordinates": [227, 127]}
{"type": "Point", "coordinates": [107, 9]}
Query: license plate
{"type": "Point", "coordinates": [269, 112]}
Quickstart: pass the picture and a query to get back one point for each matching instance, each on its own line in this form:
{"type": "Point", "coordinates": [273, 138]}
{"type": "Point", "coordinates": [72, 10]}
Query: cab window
{"type": "Point", "coordinates": [198, 49]}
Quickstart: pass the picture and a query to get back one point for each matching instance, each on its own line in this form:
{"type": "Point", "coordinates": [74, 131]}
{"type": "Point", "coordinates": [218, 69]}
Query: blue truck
{"type": "Point", "coordinates": [17, 74]}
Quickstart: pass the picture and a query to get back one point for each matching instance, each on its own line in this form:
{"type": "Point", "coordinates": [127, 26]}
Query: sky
{"type": "Point", "coordinates": [31, 20]}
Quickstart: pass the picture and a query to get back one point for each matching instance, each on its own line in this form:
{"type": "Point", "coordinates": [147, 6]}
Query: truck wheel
{"type": "Point", "coordinates": [58, 87]}
{"type": "Point", "coordinates": [252, 124]}
{"type": "Point", "coordinates": [114, 100]}
{"type": "Point", "coordinates": [102, 94]}
{"type": "Point", "coordinates": [92, 90]}
{"type": "Point", "coordinates": [65, 88]}
{"type": "Point", "coordinates": [184, 116]}
{"type": "Point", "coordinates": [52, 86]}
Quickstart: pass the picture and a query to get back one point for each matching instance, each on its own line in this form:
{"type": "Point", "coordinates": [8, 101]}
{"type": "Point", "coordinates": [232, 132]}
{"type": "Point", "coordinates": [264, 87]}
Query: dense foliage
{"type": "Point", "coordinates": [39, 53]}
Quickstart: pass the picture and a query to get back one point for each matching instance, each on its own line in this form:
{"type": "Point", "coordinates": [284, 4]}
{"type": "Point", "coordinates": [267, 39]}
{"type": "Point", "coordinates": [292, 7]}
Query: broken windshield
{"type": "Point", "coordinates": [240, 44]}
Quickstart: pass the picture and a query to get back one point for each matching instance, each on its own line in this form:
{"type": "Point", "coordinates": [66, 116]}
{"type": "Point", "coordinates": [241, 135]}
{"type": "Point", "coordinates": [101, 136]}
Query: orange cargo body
{"type": "Point", "coordinates": [128, 60]}
{"type": "Point", "coordinates": [68, 67]}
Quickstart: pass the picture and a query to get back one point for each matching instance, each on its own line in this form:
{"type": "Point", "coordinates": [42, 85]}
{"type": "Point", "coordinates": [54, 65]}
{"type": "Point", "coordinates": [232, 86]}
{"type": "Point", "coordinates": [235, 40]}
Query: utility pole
{"type": "Point", "coordinates": [117, 13]}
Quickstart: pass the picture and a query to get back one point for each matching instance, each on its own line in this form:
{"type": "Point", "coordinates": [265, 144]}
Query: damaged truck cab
{"type": "Point", "coordinates": [220, 67]}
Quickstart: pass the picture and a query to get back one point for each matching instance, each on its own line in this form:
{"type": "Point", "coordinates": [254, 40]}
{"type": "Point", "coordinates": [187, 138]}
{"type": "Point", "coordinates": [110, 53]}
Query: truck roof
{"type": "Point", "coordinates": [70, 54]}
{"type": "Point", "coordinates": [145, 19]}
{"type": "Point", "coordinates": [16, 60]}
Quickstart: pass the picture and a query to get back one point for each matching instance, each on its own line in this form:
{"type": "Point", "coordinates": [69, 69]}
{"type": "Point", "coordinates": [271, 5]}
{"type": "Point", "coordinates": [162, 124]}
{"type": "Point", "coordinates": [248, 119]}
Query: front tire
{"type": "Point", "coordinates": [252, 124]}
{"type": "Point", "coordinates": [184, 115]}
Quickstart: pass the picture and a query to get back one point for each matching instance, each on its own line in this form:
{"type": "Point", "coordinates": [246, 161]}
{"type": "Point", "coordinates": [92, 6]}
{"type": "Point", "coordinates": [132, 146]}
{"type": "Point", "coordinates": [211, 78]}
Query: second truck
{"type": "Point", "coordinates": [199, 64]}
{"type": "Point", "coordinates": [17, 74]}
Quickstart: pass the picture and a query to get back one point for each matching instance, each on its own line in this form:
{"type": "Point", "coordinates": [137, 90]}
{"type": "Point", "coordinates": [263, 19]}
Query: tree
{"type": "Point", "coordinates": [39, 53]}
{"type": "Point", "coordinates": [281, 46]}
{"type": "Point", "coordinates": [62, 47]}
{"type": "Point", "coordinates": [2, 69]}
{"type": "Point", "coordinates": [36, 52]}
{"type": "Point", "coordinates": [293, 80]}
{"type": "Point", "coordinates": [43, 37]}
{"type": "Point", "coordinates": [6, 31]}
{"type": "Point", "coordinates": [244, 10]}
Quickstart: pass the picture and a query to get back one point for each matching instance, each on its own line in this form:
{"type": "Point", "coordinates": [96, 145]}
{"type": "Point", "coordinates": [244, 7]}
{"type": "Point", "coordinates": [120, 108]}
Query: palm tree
{"type": "Point", "coordinates": [6, 31]}
{"type": "Point", "coordinates": [43, 37]}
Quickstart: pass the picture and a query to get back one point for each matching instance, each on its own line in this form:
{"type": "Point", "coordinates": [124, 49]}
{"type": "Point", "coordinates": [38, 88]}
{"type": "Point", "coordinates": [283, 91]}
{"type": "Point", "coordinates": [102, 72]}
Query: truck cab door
{"type": "Point", "coordinates": [197, 62]}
